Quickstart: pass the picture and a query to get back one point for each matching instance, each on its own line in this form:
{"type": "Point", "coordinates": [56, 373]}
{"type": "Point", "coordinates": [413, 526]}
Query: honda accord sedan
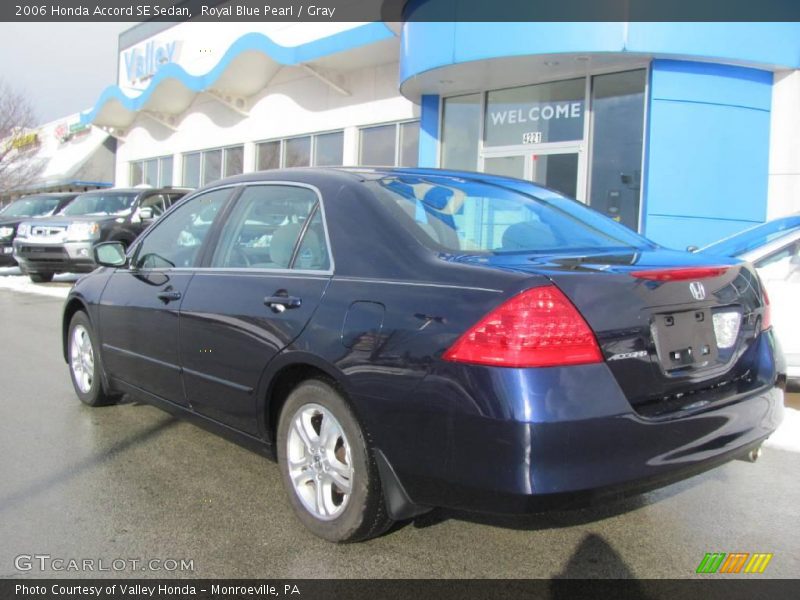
{"type": "Point", "coordinates": [402, 339]}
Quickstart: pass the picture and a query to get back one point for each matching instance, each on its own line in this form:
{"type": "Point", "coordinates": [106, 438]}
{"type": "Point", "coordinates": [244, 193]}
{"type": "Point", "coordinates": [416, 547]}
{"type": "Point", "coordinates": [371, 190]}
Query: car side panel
{"type": "Point", "coordinates": [228, 336]}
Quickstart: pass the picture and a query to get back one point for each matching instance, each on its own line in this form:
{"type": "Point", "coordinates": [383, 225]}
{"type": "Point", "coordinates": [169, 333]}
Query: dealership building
{"type": "Point", "coordinates": [686, 132]}
{"type": "Point", "coordinates": [64, 155]}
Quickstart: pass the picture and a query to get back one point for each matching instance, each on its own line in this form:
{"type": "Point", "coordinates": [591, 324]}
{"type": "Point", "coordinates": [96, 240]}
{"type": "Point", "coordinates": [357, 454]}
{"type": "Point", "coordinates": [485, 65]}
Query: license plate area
{"type": "Point", "coordinates": [685, 339]}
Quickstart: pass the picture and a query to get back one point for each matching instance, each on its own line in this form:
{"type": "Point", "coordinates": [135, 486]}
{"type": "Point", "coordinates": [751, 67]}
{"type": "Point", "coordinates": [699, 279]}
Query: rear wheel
{"type": "Point", "coordinates": [327, 467]}
{"type": "Point", "coordinates": [84, 366]}
{"type": "Point", "coordinates": [41, 277]}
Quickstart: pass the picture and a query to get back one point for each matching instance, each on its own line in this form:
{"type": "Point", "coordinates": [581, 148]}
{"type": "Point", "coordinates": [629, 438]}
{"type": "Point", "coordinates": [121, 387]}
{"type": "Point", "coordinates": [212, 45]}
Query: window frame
{"type": "Point", "coordinates": [312, 156]}
{"type": "Point", "coordinates": [223, 150]}
{"type": "Point", "coordinates": [160, 160]}
{"type": "Point", "coordinates": [398, 148]}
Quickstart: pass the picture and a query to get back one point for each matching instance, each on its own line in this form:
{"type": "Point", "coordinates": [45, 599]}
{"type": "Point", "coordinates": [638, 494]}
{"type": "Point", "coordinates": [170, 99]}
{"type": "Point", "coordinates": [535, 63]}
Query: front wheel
{"type": "Point", "coordinates": [84, 366]}
{"type": "Point", "coordinates": [327, 467]}
{"type": "Point", "coordinates": [42, 277]}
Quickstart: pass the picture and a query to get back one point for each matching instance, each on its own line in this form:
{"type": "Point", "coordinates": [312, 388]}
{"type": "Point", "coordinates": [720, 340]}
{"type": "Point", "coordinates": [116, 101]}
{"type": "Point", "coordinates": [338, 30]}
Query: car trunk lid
{"type": "Point", "coordinates": [675, 334]}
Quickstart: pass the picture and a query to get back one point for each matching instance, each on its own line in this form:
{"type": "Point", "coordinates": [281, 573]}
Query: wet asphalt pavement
{"type": "Point", "coordinates": [132, 482]}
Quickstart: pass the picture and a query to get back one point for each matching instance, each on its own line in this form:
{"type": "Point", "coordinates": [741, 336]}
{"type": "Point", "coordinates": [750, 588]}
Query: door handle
{"type": "Point", "coordinates": [281, 301]}
{"type": "Point", "coordinates": [169, 296]}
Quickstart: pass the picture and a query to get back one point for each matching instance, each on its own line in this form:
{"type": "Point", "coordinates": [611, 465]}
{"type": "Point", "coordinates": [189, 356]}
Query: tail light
{"type": "Point", "coordinates": [766, 320]}
{"type": "Point", "coordinates": [680, 274]}
{"type": "Point", "coordinates": [539, 327]}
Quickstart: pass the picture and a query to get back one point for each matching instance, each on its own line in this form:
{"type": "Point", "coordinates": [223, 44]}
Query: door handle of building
{"type": "Point", "coordinates": [169, 295]}
{"type": "Point", "coordinates": [280, 302]}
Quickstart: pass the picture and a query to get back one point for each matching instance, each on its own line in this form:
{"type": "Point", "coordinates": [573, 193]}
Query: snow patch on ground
{"type": "Point", "coordinates": [12, 279]}
{"type": "Point", "coordinates": [787, 437]}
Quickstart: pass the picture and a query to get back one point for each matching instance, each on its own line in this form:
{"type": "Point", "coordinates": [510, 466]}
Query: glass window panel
{"type": "Point", "coordinates": [191, 170]}
{"type": "Point", "coordinates": [554, 110]}
{"type": "Point", "coordinates": [156, 202]}
{"type": "Point", "coordinates": [234, 161]}
{"type": "Point", "coordinates": [409, 144]}
{"type": "Point", "coordinates": [298, 152]}
{"type": "Point", "coordinates": [557, 171]}
{"type": "Point", "coordinates": [263, 229]}
{"type": "Point", "coordinates": [150, 176]}
{"type": "Point", "coordinates": [176, 239]}
{"type": "Point", "coordinates": [328, 149]}
{"type": "Point", "coordinates": [136, 173]}
{"type": "Point", "coordinates": [212, 165]}
{"type": "Point", "coordinates": [165, 172]}
{"type": "Point", "coordinates": [617, 134]}
{"type": "Point", "coordinates": [461, 123]}
{"type": "Point", "coordinates": [507, 166]}
{"type": "Point", "coordinates": [269, 155]}
{"type": "Point", "coordinates": [377, 147]}
{"type": "Point", "coordinates": [471, 216]}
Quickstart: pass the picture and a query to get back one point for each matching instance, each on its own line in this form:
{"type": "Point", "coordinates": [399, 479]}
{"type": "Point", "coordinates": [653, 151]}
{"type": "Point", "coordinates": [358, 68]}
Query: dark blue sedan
{"type": "Point", "coordinates": [404, 339]}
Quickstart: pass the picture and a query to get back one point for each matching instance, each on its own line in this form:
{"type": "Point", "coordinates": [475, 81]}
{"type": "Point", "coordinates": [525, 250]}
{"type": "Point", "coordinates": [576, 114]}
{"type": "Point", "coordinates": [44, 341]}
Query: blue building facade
{"type": "Point", "coordinates": [665, 127]}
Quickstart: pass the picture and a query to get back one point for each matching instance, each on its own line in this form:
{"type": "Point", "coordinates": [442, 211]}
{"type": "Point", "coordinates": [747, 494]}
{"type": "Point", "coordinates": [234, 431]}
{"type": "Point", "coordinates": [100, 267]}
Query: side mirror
{"type": "Point", "coordinates": [692, 248]}
{"type": "Point", "coordinates": [110, 254]}
{"type": "Point", "coordinates": [146, 213]}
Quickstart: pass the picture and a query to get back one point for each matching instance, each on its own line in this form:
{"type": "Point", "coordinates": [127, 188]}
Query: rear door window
{"type": "Point", "coordinates": [264, 229]}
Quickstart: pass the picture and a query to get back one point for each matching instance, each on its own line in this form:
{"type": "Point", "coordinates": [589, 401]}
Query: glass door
{"type": "Point", "coordinates": [558, 169]}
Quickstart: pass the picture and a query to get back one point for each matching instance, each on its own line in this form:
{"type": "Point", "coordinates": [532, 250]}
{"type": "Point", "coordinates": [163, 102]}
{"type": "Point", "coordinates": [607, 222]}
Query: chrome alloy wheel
{"type": "Point", "coordinates": [82, 358]}
{"type": "Point", "coordinates": [319, 462]}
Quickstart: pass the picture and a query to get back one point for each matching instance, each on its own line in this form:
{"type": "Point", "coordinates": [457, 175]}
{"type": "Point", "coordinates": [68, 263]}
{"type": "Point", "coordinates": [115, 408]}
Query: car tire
{"type": "Point", "coordinates": [330, 445]}
{"type": "Point", "coordinates": [42, 277]}
{"type": "Point", "coordinates": [84, 364]}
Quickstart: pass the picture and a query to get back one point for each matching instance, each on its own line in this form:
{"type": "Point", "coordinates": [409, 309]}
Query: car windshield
{"type": "Point", "coordinates": [32, 206]}
{"type": "Point", "coordinates": [753, 238]}
{"type": "Point", "coordinates": [514, 217]}
{"type": "Point", "coordinates": [112, 203]}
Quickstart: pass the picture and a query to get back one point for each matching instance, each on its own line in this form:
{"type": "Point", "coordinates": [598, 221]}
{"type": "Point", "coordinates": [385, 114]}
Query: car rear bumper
{"type": "Point", "coordinates": [576, 463]}
{"type": "Point", "coordinates": [68, 257]}
{"type": "Point", "coordinates": [568, 438]}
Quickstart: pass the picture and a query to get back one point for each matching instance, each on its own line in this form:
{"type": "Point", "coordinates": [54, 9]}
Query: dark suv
{"type": "Point", "coordinates": [30, 206]}
{"type": "Point", "coordinates": [63, 243]}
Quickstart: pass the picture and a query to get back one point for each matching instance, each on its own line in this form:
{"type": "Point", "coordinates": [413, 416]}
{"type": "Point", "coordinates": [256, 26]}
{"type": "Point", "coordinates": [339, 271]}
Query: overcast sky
{"type": "Point", "coordinates": [61, 67]}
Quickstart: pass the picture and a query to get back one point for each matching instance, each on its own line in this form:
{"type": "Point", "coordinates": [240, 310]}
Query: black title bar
{"type": "Point", "coordinates": [399, 10]}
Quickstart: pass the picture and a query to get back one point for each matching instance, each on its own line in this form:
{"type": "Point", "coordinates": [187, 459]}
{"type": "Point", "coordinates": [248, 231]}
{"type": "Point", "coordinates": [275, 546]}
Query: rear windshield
{"type": "Point", "coordinates": [100, 204]}
{"type": "Point", "coordinates": [474, 217]}
{"type": "Point", "coordinates": [753, 238]}
{"type": "Point", "coordinates": [32, 206]}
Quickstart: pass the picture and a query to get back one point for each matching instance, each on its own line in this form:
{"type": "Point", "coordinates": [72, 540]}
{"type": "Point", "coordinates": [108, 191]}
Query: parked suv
{"type": "Point", "coordinates": [63, 243]}
{"type": "Point", "coordinates": [30, 206]}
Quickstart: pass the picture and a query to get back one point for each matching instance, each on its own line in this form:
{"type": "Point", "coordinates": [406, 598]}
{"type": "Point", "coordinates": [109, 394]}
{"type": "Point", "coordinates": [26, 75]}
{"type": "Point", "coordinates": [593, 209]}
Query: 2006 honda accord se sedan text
{"type": "Point", "coordinates": [403, 339]}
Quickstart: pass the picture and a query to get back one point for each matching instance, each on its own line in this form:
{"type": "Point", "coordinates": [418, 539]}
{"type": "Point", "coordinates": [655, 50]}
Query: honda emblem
{"type": "Point", "coordinates": [698, 291]}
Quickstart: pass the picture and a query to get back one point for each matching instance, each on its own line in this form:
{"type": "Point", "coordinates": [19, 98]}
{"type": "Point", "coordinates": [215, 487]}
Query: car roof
{"type": "Point", "coordinates": [133, 190]}
{"type": "Point", "coordinates": [49, 195]}
{"type": "Point", "coordinates": [355, 174]}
